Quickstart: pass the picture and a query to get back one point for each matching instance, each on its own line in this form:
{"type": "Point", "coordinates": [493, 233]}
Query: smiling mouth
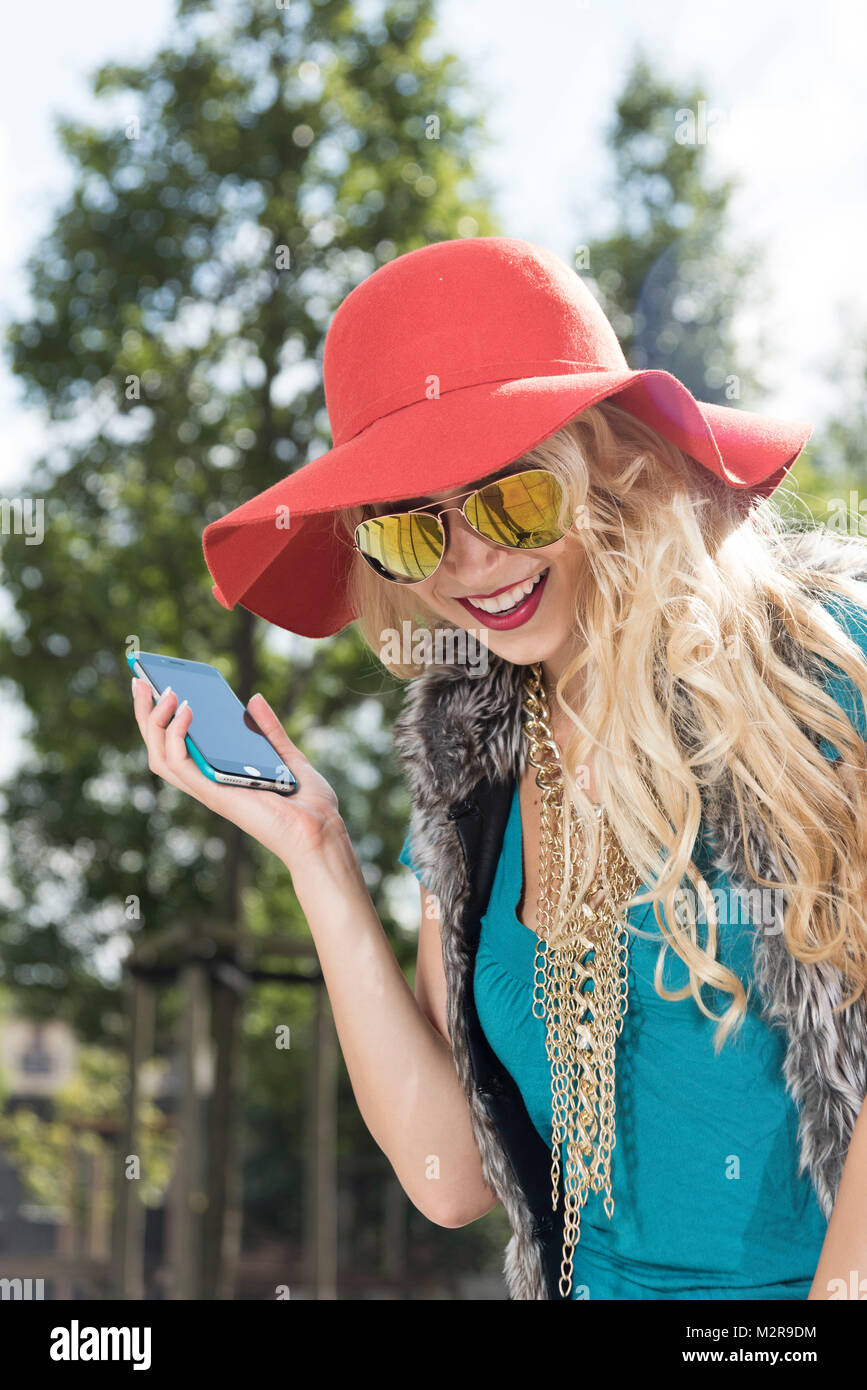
{"type": "Point", "coordinates": [507, 600]}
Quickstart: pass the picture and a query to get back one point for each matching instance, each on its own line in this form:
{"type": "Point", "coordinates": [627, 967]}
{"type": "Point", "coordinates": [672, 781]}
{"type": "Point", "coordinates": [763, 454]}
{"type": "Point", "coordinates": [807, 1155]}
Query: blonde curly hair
{"type": "Point", "coordinates": [684, 588]}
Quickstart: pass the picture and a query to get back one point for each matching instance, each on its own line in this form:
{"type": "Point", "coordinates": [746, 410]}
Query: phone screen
{"type": "Point", "coordinates": [221, 728]}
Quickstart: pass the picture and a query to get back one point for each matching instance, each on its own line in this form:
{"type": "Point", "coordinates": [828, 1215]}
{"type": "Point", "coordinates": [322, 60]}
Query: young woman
{"type": "Point", "coordinates": [639, 1017]}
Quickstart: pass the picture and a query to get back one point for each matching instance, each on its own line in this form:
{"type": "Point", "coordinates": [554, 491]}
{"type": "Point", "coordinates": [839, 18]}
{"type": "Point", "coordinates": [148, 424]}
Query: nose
{"type": "Point", "coordinates": [469, 558]}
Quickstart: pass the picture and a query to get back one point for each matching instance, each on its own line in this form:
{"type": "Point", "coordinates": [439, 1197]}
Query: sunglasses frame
{"type": "Point", "coordinates": [468, 497]}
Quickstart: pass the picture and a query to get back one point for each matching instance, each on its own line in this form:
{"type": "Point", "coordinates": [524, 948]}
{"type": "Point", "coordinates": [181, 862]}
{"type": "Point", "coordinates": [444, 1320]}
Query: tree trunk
{"type": "Point", "coordinates": [222, 1229]}
{"type": "Point", "coordinates": [322, 1154]}
{"type": "Point", "coordinates": [128, 1243]}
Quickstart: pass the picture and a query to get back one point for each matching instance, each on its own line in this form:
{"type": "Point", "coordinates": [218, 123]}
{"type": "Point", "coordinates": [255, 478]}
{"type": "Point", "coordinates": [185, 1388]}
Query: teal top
{"type": "Point", "coordinates": [708, 1203]}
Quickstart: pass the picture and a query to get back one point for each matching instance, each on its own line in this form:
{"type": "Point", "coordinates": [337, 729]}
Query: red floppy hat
{"type": "Point", "coordinates": [440, 368]}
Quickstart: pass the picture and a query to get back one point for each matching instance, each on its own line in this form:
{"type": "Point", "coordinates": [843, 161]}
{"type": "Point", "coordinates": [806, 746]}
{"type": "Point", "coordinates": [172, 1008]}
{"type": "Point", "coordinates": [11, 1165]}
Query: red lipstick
{"type": "Point", "coordinates": [514, 617]}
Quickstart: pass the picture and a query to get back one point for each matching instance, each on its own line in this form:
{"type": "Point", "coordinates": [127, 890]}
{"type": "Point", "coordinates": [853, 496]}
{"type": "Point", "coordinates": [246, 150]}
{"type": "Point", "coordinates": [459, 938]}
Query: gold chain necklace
{"type": "Point", "coordinates": [580, 1044]}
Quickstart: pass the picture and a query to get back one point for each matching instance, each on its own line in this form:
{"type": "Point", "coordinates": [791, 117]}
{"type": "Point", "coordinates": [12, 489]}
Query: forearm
{"type": "Point", "coordinates": [402, 1071]}
{"type": "Point", "coordinates": [842, 1268]}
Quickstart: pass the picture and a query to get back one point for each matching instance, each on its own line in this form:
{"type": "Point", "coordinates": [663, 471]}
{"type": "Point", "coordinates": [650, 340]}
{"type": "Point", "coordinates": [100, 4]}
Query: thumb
{"type": "Point", "coordinates": [267, 721]}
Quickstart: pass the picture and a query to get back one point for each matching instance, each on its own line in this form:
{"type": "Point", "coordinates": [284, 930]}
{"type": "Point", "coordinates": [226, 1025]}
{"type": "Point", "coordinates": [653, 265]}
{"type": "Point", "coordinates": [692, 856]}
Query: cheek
{"type": "Point", "coordinates": [423, 592]}
{"type": "Point", "coordinates": [424, 596]}
{"type": "Point", "coordinates": [569, 554]}
{"type": "Point", "coordinates": [563, 557]}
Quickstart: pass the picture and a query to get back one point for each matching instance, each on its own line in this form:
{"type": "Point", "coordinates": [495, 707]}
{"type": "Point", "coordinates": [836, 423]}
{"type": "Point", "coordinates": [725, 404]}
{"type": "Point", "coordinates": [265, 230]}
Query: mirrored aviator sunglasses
{"type": "Point", "coordinates": [518, 512]}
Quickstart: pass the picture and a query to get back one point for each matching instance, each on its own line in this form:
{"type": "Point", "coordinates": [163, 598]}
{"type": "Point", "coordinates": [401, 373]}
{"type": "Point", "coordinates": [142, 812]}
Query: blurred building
{"type": "Point", "coordinates": [36, 1060]}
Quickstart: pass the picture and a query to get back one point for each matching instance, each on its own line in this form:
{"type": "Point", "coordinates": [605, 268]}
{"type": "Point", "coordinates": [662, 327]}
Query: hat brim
{"type": "Point", "coordinates": [279, 557]}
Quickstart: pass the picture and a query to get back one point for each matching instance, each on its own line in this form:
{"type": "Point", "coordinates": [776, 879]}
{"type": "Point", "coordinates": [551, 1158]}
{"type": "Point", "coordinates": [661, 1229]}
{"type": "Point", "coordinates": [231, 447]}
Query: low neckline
{"type": "Point", "coordinates": [504, 937]}
{"type": "Point", "coordinates": [519, 856]}
{"type": "Point", "coordinates": [510, 940]}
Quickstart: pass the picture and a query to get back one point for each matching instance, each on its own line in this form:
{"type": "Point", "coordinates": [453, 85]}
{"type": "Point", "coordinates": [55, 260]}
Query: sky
{"type": "Point", "coordinates": [785, 85]}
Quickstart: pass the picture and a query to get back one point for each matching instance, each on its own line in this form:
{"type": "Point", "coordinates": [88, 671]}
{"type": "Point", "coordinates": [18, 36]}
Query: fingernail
{"type": "Point", "coordinates": [133, 685]}
{"type": "Point", "coordinates": [167, 691]}
{"type": "Point", "coordinates": [181, 706]}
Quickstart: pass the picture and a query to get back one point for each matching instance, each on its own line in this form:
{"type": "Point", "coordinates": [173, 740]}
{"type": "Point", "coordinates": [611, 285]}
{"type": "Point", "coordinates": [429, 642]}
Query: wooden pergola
{"type": "Point", "coordinates": [214, 967]}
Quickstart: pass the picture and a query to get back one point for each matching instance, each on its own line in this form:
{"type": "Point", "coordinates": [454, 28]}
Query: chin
{"type": "Point", "coordinates": [525, 648]}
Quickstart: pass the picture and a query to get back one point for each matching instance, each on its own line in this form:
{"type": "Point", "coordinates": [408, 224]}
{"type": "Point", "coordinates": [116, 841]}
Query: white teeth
{"type": "Point", "coordinates": [509, 598]}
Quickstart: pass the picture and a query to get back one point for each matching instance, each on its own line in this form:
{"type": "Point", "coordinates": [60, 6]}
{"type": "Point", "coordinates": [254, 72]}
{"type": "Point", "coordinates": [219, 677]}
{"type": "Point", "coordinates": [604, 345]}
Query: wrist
{"type": "Point", "coordinates": [332, 863]}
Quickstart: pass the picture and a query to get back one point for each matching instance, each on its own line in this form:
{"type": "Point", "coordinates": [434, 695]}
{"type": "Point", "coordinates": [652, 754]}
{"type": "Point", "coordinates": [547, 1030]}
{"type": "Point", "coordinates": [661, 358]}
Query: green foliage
{"type": "Point", "coordinates": [672, 280]}
{"type": "Point", "coordinates": [47, 1152]}
{"type": "Point", "coordinates": [667, 273]}
{"type": "Point", "coordinates": [241, 184]}
{"type": "Point", "coordinates": [189, 362]}
{"type": "Point", "coordinates": [238, 187]}
{"type": "Point", "coordinates": [827, 484]}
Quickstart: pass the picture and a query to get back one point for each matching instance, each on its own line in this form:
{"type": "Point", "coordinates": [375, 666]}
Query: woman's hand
{"type": "Point", "coordinates": [293, 827]}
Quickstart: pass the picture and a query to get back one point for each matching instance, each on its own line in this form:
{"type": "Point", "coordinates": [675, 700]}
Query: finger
{"type": "Point", "coordinates": [155, 722]}
{"type": "Point", "coordinates": [187, 775]}
{"type": "Point", "coordinates": [177, 755]}
{"type": "Point", "coordinates": [143, 698]}
{"type": "Point", "coordinates": [164, 709]}
{"type": "Point", "coordinates": [274, 731]}
{"type": "Point", "coordinates": [142, 704]}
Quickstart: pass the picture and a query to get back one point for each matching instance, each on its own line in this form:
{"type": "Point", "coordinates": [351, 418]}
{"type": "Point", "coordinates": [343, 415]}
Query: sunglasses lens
{"type": "Point", "coordinates": [404, 548]}
{"type": "Point", "coordinates": [521, 511]}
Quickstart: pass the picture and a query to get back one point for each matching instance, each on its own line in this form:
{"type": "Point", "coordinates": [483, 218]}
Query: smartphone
{"type": "Point", "coordinates": [225, 741]}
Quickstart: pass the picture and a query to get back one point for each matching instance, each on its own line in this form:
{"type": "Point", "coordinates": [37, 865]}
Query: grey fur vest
{"type": "Point", "coordinates": [459, 739]}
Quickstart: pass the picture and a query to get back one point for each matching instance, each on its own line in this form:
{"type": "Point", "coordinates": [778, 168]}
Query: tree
{"type": "Point", "coordinates": [262, 164]}
{"type": "Point", "coordinates": [666, 272]}
{"type": "Point", "coordinates": [829, 484]}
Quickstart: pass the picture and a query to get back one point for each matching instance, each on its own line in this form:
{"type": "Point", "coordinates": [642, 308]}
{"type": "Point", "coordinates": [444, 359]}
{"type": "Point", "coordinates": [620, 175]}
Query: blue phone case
{"type": "Point", "coordinates": [201, 762]}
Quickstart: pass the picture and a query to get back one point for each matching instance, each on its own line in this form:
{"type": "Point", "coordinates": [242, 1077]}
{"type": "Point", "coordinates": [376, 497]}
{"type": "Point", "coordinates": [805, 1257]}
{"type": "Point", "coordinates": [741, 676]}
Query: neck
{"type": "Point", "coordinates": [553, 668]}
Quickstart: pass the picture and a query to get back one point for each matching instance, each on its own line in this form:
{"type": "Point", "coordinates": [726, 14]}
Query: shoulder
{"type": "Point", "coordinates": [818, 559]}
{"type": "Point", "coordinates": [820, 549]}
{"type": "Point", "coordinates": [852, 619]}
{"type": "Point", "coordinates": [845, 557]}
{"type": "Point", "coordinates": [821, 553]}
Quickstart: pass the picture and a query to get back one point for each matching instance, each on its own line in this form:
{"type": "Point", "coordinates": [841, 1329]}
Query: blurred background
{"type": "Point", "coordinates": [175, 1117]}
